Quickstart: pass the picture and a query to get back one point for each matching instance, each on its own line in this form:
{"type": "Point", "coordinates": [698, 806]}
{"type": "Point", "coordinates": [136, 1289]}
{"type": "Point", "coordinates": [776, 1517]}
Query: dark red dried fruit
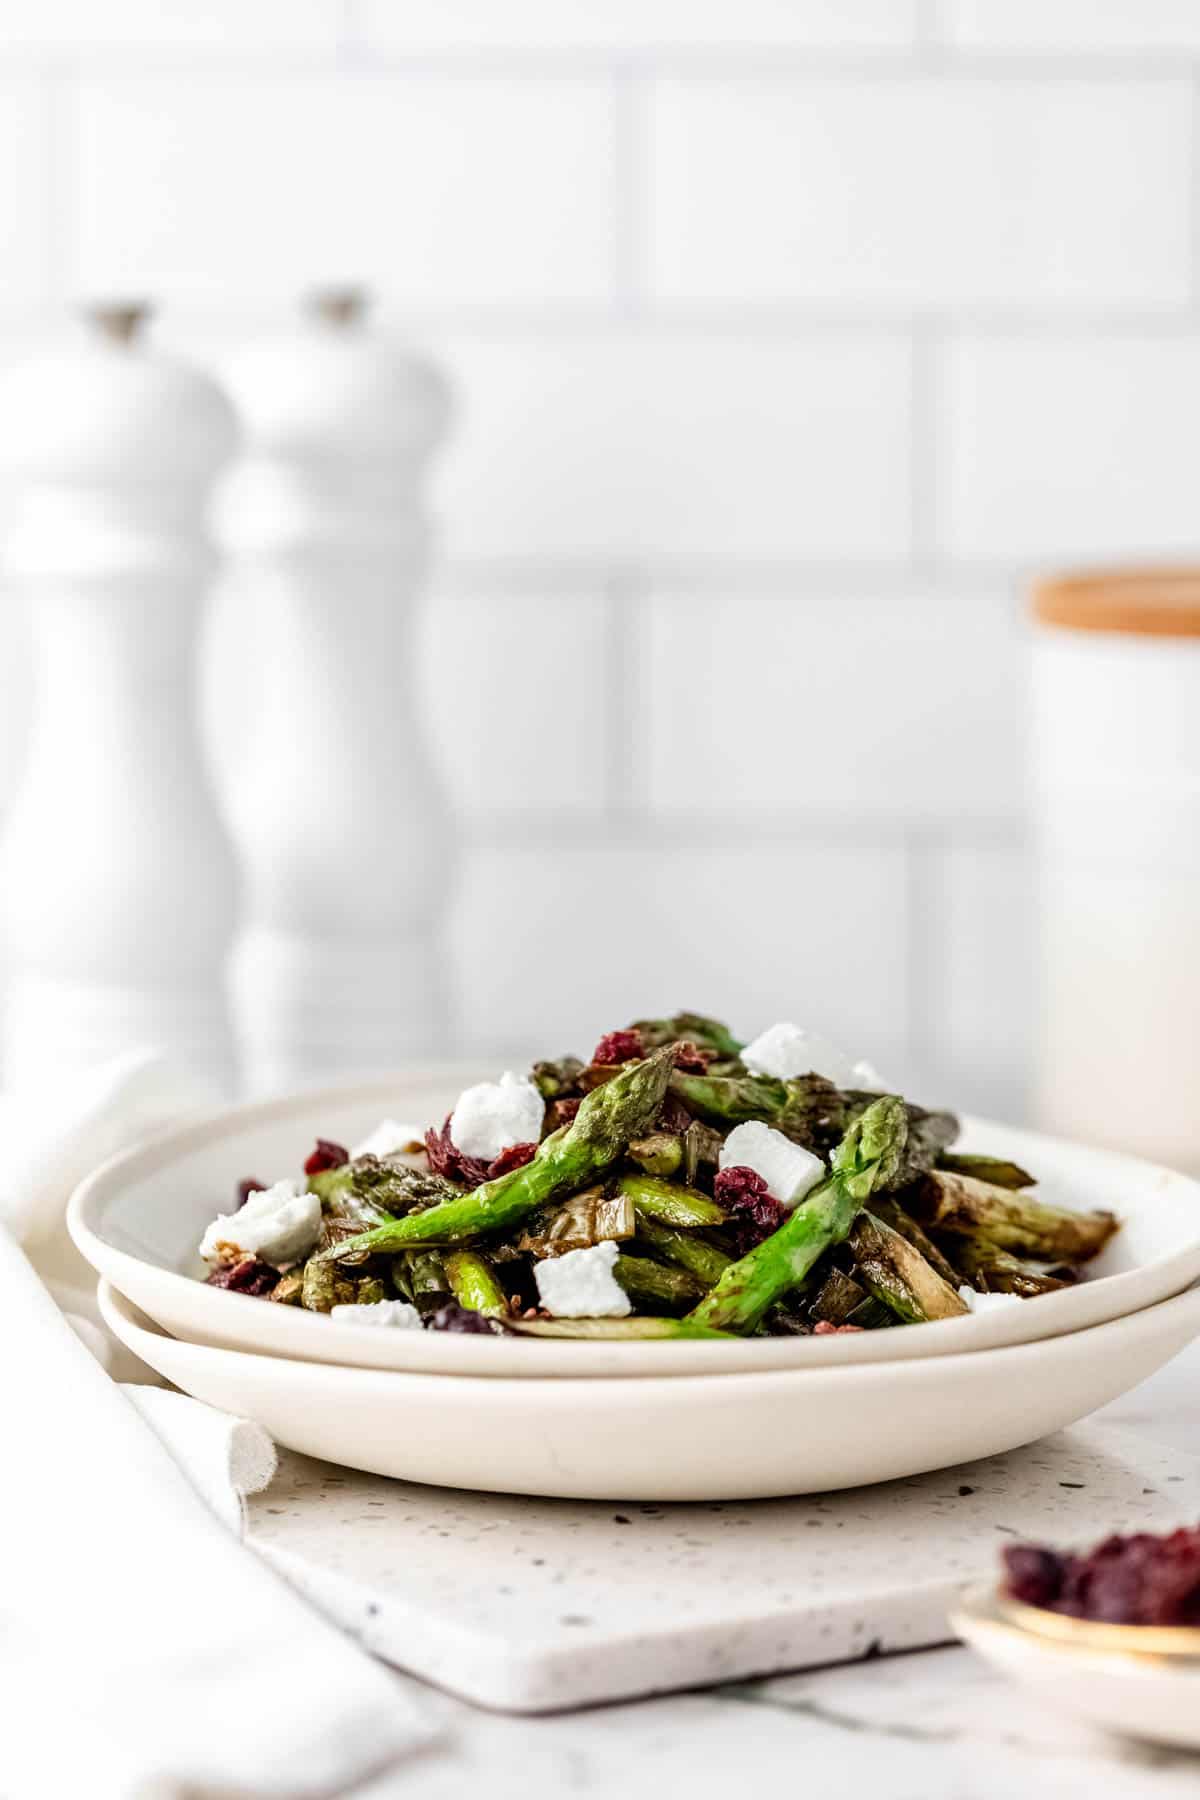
{"type": "Point", "coordinates": [619, 1047]}
{"type": "Point", "coordinates": [690, 1059]}
{"type": "Point", "coordinates": [327, 1155]}
{"type": "Point", "coordinates": [514, 1156]}
{"type": "Point", "coordinates": [453, 1317]}
{"type": "Point", "coordinates": [561, 1112]}
{"type": "Point", "coordinates": [446, 1159]}
{"type": "Point", "coordinates": [827, 1328]}
{"type": "Point", "coordinates": [248, 1187]}
{"type": "Point", "coordinates": [1137, 1580]}
{"type": "Point", "coordinates": [756, 1213]}
{"type": "Point", "coordinates": [250, 1276]}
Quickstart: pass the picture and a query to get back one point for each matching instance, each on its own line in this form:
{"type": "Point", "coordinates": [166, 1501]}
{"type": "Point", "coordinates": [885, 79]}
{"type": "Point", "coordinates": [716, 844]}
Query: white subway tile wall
{"type": "Point", "coordinates": [789, 336]}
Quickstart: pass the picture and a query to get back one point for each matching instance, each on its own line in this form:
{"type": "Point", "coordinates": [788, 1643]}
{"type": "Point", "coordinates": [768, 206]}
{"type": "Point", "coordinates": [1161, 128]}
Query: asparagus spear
{"type": "Point", "coordinates": [994, 1169]}
{"type": "Point", "coordinates": [324, 1286]}
{"type": "Point", "coordinates": [691, 1252]}
{"type": "Point", "coordinates": [659, 1154]}
{"type": "Point", "coordinates": [427, 1283]}
{"type": "Point", "coordinates": [653, 1285]}
{"type": "Point", "coordinates": [695, 1028]}
{"type": "Point", "coordinates": [372, 1188]}
{"type": "Point", "coordinates": [610, 1116]}
{"type": "Point", "coordinates": [896, 1273]}
{"type": "Point", "coordinates": [620, 1330]}
{"type": "Point", "coordinates": [473, 1283]}
{"type": "Point", "coordinates": [996, 1271]}
{"type": "Point", "coordinates": [1013, 1221]}
{"type": "Point", "coordinates": [866, 1158]}
{"type": "Point", "coordinates": [670, 1204]}
{"type": "Point", "coordinates": [838, 1297]}
{"type": "Point", "coordinates": [893, 1214]}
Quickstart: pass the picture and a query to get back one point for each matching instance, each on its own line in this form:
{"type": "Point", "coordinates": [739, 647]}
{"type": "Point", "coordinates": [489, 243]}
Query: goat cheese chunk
{"type": "Point", "coordinates": [581, 1284]}
{"type": "Point", "coordinates": [981, 1303]}
{"type": "Point", "coordinates": [789, 1170]}
{"type": "Point", "coordinates": [395, 1315]}
{"type": "Point", "coordinates": [388, 1138]}
{"type": "Point", "coordinates": [494, 1115]}
{"type": "Point", "coordinates": [277, 1224]}
{"type": "Point", "coordinates": [785, 1051]}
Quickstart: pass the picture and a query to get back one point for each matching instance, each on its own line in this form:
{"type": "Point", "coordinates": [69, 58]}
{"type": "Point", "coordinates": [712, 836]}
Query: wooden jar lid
{"type": "Point", "coordinates": [1149, 602]}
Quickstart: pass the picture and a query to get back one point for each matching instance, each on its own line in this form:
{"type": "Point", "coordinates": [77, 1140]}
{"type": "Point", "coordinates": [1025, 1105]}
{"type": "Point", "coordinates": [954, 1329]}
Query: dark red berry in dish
{"type": "Point", "coordinates": [619, 1047]}
{"type": "Point", "coordinates": [827, 1328]}
{"type": "Point", "coordinates": [248, 1187]}
{"type": "Point", "coordinates": [447, 1160]}
{"type": "Point", "coordinates": [327, 1155]}
{"type": "Point", "coordinates": [1137, 1580]}
{"type": "Point", "coordinates": [453, 1317]}
{"type": "Point", "coordinates": [250, 1276]}
{"type": "Point", "coordinates": [515, 1156]}
{"type": "Point", "coordinates": [690, 1059]}
{"type": "Point", "coordinates": [756, 1213]}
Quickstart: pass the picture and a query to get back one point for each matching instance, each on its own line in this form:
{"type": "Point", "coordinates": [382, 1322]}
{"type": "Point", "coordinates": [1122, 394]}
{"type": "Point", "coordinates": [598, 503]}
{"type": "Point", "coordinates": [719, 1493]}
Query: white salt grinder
{"type": "Point", "coordinates": [119, 885]}
{"type": "Point", "coordinates": [1117, 809]}
{"type": "Point", "coordinates": [341, 820]}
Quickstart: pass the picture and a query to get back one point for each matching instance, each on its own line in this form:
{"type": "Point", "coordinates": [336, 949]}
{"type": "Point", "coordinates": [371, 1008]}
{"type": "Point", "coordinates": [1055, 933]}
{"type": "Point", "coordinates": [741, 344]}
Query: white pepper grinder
{"type": "Point", "coordinates": [342, 824]}
{"type": "Point", "coordinates": [119, 884]}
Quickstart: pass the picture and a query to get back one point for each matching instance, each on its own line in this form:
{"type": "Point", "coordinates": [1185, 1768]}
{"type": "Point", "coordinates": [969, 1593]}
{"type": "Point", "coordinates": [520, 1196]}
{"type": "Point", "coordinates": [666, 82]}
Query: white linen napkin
{"type": "Point", "coordinates": [145, 1654]}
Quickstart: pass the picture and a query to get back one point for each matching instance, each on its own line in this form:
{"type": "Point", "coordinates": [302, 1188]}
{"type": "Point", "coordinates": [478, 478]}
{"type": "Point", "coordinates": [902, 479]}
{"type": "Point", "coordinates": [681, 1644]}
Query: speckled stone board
{"type": "Point", "coordinates": [532, 1605]}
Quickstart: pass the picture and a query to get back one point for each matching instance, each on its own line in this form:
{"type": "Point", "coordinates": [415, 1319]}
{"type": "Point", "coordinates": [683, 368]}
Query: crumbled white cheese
{"type": "Point", "coordinates": [788, 1169]}
{"type": "Point", "coordinates": [867, 1076]}
{"type": "Point", "coordinates": [785, 1051]}
{"type": "Point", "coordinates": [581, 1284]}
{"type": "Point", "coordinates": [387, 1138]}
{"type": "Point", "coordinates": [395, 1314]}
{"type": "Point", "coordinates": [496, 1114]}
{"type": "Point", "coordinates": [981, 1303]}
{"type": "Point", "coordinates": [278, 1224]}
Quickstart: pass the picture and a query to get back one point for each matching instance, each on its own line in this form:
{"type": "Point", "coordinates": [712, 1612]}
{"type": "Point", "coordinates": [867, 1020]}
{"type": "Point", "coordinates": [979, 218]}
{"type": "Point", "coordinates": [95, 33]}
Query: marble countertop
{"type": "Point", "coordinates": [930, 1725]}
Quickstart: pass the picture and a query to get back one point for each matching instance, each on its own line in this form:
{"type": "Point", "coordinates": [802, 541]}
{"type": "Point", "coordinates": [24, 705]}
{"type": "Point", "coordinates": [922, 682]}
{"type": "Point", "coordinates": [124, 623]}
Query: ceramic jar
{"type": "Point", "coordinates": [342, 825]}
{"type": "Point", "coordinates": [119, 886]}
{"type": "Point", "coordinates": [1117, 806]}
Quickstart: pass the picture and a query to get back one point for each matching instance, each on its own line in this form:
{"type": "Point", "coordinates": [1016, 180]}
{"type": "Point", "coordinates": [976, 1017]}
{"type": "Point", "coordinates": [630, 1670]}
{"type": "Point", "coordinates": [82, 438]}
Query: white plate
{"type": "Point", "coordinates": [693, 1437]}
{"type": "Point", "coordinates": [139, 1218]}
{"type": "Point", "coordinates": [1142, 1696]}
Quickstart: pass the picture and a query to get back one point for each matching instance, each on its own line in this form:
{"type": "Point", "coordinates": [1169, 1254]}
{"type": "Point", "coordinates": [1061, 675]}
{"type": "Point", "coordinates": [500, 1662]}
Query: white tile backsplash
{"type": "Point", "coordinates": [925, 192]}
{"type": "Point", "coordinates": [787, 338]}
{"type": "Point", "coordinates": [1068, 445]}
{"type": "Point", "coordinates": [517, 699]}
{"type": "Point", "coordinates": [680, 444]}
{"type": "Point", "coordinates": [899, 707]}
{"type": "Point", "coordinates": [1070, 25]}
{"type": "Point", "coordinates": [477, 190]}
{"type": "Point", "coordinates": [556, 945]}
{"type": "Point", "coordinates": [625, 24]}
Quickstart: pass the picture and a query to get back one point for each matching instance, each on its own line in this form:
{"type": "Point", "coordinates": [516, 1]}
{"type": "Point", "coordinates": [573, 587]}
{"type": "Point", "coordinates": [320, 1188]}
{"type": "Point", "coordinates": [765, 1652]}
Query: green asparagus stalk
{"type": "Point", "coordinates": [963, 1206]}
{"type": "Point", "coordinates": [691, 1252]}
{"type": "Point", "coordinates": [694, 1028]}
{"type": "Point", "coordinates": [289, 1289]}
{"type": "Point", "coordinates": [671, 1204]}
{"type": "Point", "coordinates": [896, 1273]}
{"type": "Point", "coordinates": [610, 1116]}
{"type": "Point", "coordinates": [893, 1214]}
{"type": "Point", "coordinates": [473, 1283]}
{"type": "Point", "coordinates": [618, 1330]}
{"type": "Point", "coordinates": [427, 1283]}
{"type": "Point", "coordinates": [368, 1290]}
{"type": "Point", "coordinates": [994, 1271]}
{"type": "Point", "coordinates": [371, 1189]}
{"type": "Point", "coordinates": [993, 1169]}
{"type": "Point", "coordinates": [659, 1154]}
{"type": "Point", "coordinates": [655, 1287]}
{"type": "Point", "coordinates": [324, 1286]}
{"type": "Point", "coordinates": [867, 1157]}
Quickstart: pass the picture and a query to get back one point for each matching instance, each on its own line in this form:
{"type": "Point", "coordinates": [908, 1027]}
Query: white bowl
{"type": "Point", "coordinates": [138, 1220]}
{"type": "Point", "coordinates": [1140, 1695]}
{"type": "Point", "coordinates": [693, 1437]}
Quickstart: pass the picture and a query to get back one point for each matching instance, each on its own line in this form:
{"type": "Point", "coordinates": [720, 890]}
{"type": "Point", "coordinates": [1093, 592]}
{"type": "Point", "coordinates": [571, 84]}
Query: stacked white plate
{"type": "Point", "coordinates": [664, 1420]}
